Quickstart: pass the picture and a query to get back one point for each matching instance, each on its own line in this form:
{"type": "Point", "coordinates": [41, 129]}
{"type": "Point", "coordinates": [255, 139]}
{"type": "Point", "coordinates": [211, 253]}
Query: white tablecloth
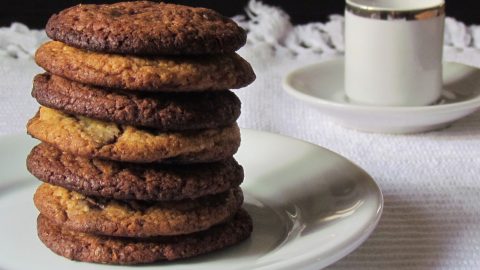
{"type": "Point", "coordinates": [431, 181]}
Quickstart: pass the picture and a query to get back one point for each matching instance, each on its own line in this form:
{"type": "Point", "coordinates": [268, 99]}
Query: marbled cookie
{"type": "Point", "coordinates": [143, 27]}
{"type": "Point", "coordinates": [92, 138]}
{"type": "Point", "coordinates": [127, 181]}
{"type": "Point", "coordinates": [116, 250]}
{"type": "Point", "coordinates": [161, 111]}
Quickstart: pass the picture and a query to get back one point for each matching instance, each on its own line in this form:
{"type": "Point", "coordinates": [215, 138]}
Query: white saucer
{"type": "Point", "coordinates": [310, 207]}
{"type": "Point", "coordinates": [322, 85]}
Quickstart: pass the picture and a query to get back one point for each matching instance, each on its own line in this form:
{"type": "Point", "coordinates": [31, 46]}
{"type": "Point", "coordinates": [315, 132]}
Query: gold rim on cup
{"type": "Point", "coordinates": [387, 14]}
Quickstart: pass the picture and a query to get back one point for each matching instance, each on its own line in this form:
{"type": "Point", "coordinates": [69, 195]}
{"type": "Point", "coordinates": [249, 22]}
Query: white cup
{"type": "Point", "coordinates": [393, 51]}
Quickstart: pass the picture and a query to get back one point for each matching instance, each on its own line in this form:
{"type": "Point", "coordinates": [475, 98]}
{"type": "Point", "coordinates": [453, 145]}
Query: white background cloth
{"type": "Point", "coordinates": [431, 181]}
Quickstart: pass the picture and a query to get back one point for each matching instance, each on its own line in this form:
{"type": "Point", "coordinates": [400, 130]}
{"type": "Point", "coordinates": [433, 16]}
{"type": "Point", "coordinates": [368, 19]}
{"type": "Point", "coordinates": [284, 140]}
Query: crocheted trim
{"type": "Point", "coordinates": [267, 26]}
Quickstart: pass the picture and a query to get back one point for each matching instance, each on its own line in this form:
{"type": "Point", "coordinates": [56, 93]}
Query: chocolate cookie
{"type": "Point", "coordinates": [92, 138]}
{"type": "Point", "coordinates": [126, 181]}
{"type": "Point", "coordinates": [134, 218]}
{"type": "Point", "coordinates": [143, 27]}
{"type": "Point", "coordinates": [162, 111]}
{"type": "Point", "coordinates": [115, 250]}
{"type": "Point", "coordinates": [170, 74]}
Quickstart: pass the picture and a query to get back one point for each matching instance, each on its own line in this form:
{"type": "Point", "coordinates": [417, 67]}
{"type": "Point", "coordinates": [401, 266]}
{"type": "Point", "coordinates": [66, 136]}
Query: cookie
{"type": "Point", "coordinates": [134, 218]}
{"type": "Point", "coordinates": [92, 138]}
{"type": "Point", "coordinates": [162, 111]}
{"type": "Point", "coordinates": [116, 250]}
{"type": "Point", "coordinates": [143, 27]}
{"type": "Point", "coordinates": [126, 181]}
{"type": "Point", "coordinates": [171, 74]}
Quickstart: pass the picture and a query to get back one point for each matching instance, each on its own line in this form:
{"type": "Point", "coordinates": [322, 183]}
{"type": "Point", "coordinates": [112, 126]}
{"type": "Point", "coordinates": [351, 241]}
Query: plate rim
{"type": "Point", "coordinates": [290, 89]}
{"type": "Point", "coordinates": [309, 259]}
{"type": "Point", "coordinates": [347, 247]}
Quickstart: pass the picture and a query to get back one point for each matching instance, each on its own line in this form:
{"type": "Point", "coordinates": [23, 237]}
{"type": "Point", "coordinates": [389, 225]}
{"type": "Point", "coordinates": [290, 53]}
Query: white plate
{"type": "Point", "coordinates": [322, 85]}
{"type": "Point", "coordinates": [310, 208]}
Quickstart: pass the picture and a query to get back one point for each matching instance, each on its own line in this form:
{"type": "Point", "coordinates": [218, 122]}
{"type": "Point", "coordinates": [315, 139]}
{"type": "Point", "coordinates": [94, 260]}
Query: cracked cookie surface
{"type": "Point", "coordinates": [115, 250]}
{"type": "Point", "coordinates": [162, 111]}
{"type": "Point", "coordinates": [157, 74]}
{"type": "Point", "coordinates": [92, 138]}
{"type": "Point", "coordinates": [143, 27]}
{"type": "Point", "coordinates": [127, 181]}
{"type": "Point", "coordinates": [134, 218]}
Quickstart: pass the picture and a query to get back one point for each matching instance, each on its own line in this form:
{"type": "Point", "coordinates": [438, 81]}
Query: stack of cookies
{"type": "Point", "coordinates": [138, 132]}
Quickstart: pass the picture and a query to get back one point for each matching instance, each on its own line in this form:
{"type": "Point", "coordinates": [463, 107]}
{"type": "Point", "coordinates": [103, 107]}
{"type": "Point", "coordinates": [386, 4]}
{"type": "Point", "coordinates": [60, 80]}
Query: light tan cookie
{"type": "Point", "coordinates": [170, 74]}
{"type": "Point", "coordinates": [134, 218]}
{"type": "Point", "coordinates": [91, 138]}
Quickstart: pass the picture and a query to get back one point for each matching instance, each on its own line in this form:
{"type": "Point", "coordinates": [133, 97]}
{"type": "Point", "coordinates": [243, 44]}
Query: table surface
{"type": "Point", "coordinates": [430, 181]}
